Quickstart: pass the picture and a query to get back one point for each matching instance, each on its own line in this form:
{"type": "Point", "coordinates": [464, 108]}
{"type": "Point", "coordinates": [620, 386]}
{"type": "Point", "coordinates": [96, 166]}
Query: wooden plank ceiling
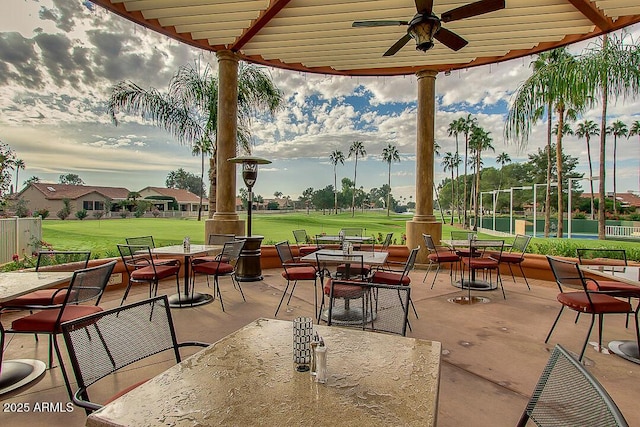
{"type": "Point", "coordinates": [317, 36]}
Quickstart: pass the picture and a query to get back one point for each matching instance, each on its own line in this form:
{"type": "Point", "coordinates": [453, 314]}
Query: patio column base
{"type": "Point", "coordinates": [224, 225]}
{"type": "Point", "coordinates": [415, 228]}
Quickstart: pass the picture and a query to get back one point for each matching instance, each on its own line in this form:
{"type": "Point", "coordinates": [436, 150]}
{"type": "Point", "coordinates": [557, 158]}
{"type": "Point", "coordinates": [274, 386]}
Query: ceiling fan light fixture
{"type": "Point", "coordinates": [423, 32]}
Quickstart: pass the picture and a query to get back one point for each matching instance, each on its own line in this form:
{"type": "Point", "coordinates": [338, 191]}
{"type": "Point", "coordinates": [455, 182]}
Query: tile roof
{"type": "Point", "coordinates": [65, 191]}
{"type": "Point", "coordinates": [180, 195]}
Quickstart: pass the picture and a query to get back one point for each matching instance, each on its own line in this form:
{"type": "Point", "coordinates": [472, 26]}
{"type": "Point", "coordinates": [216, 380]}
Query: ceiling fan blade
{"type": "Point", "coordinates": [472, 9]}
{"type": "Point", "coordinates": [398, 45]}
{"type": "Point", "coordinates": [450, 39]}
{"type": "Point", "coordinates": [424, 6]}
{"type": "Point", "coordinates": [378, 23]}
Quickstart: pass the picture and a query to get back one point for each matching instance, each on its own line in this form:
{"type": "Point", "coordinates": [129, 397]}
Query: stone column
{"type": "Point", "coordinates": [424, 221]}
{"type": "Point", "coordinates": [226, 220]}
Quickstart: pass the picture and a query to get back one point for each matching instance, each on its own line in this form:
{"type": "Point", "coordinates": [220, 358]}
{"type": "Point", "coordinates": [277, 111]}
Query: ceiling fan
{"type": "Point", "coordinates": [425, 25]}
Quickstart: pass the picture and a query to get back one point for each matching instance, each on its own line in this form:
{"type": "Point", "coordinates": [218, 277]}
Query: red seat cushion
{"type": "Point", "coordinates": [611, 286]}
{"type": "Point", "coordinates": [41, 297]}
{"type": "Point", "coordinates": [213, 268]}
{"type": "Point", "coordinates": [601, 303]}
{"type": "Point", "coordinates": [219, 257]}
{"type": "Point", "coordinates": [45, 321]}
{"type": "Point", "coordinates": [354, 270]}
{"type": "Point", "coordinates": [510, 258]}
{"type": "Point", "coordinates": [480, 262]}
{"type": "Point", "coordinates": [147, 273]}
{"type": "Point", "coordinates": [444, 257]}
{"type": "Point", "coordinates": [389, 278]}
{"type": "Point", "coordinates": [300, 273]}
{"type": "Point", "coordinates": [344, 290]}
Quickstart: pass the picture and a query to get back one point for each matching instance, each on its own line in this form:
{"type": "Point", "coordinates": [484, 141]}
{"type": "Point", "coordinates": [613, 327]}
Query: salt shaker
{"type": "Point", "coordinates": [321, 363]}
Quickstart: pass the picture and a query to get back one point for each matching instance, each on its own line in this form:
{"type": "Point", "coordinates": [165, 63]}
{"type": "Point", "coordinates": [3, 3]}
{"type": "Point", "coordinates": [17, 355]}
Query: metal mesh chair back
{"type": "Point", "coordinates": [520, 243]}
{"type": "Point", "coordinates": [231, 251]}
{"type": "Point", "coordinates": [352, 231]}
{"type": "Point", "coordinates": [462, 235]}
{"type": "Point", "coordinates": [411, 261]}
{"type": "Point", "coordinates": [428, 242]}
{"type": "Point", "coordinates": [220, 239]}
{"type": "Point", "coordinates": [568, 395]}
{"type": "Point", "coordinates": [495, 247]}
{"type": "Point", "coordinates": [389, 308]}
{"type": "Point", "coordinates": [141, 241]}
{"type": "Point", "coordinates": [284, 252]}
{"type": "Point", "coordinates": [88, 284]}
{"type": "Point", "coordinates": [387, 242]}
{"type": "Point", "coordinates": [300, 236]}
{"type": "Point", "coordinates": [602, 256]}
{"type": "Point", "coordinates": [353, 265]}
{"type": "Point", "coordinates": [105, 342]}
{"type": "Point", "coordinates": [567, 274]}
{"type": "Point", "coordinates": [62, 260]}
{"type": "Point", "coordinates": [135, 256]}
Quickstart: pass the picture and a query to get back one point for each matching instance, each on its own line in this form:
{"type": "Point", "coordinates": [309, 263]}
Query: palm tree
{"type": "Point", "coordinates": [466, 125]}
{"type": "Point", "coordinates": [610, 68]}
{"type": "Point", "coordinates": [635, 130]}
{"type": "Point", "coordinates": [201, 148]}
{"type": "Point", "coordinates": [587, 129]}
{"type": "Point", "coordinates": [502, 159]}
{"type": "Point", "coordinates": [548, 88]}
{"type": "Point", "coordinates": [336, 157]}
{"type": "Point", "coordinates": [617, 129]}
{"type": "Point", "coordinates": [18, 164]}
{"type": "Point", "coordinates": [456, 127]}
{"type": "Point", "coordinates": [356, 149]}
{"type": "Point", "coordinates": [480, 141]}
{"type": "Point", "coordinates": [389, 155]}
{"type": "Point", "coordinates": [189, 110]}
{"type": "Point", "coordinates": [451, 162]}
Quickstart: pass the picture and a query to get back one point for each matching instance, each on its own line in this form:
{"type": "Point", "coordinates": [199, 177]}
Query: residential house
{"type": "Point", "coordinates": [38, 195]}
{"type": "Point", "coordinates": [187, 201]}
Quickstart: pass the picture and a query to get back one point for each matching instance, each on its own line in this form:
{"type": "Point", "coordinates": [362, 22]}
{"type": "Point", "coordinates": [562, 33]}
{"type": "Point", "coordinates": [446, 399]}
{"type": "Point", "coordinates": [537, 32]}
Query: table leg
{"type": "Point", "coordinates": [188, 299]}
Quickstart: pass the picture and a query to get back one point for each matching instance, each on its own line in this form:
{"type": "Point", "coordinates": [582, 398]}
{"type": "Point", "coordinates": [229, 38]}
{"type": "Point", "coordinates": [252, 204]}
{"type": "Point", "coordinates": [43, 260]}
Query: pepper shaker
{"type": "Point", "coordinates": [321, 363]}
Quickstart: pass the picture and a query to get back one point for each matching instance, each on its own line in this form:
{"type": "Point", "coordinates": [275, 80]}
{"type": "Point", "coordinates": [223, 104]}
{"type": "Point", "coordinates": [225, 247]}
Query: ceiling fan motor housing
{"type": "Point", "coordinates": [422, 28]}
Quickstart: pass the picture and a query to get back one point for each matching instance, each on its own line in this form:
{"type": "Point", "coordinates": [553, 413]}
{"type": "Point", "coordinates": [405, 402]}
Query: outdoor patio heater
{"type": "Point", "coordinates": [249, 269]}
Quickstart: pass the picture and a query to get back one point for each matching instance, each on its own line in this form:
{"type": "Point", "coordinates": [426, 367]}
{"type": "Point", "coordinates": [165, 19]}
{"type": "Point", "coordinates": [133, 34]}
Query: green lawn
{"type": "Point", "coordinates": [101, 236]}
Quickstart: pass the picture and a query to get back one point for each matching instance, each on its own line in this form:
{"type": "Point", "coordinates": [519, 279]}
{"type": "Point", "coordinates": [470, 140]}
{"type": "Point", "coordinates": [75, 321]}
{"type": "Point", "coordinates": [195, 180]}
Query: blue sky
{"type": "Point", "coordinates": [59, 59]}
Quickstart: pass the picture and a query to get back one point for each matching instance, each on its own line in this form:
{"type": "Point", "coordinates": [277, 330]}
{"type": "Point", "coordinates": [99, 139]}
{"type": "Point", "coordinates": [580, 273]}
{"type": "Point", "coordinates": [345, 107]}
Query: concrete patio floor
{"type": "Point", "coordinates": [492, 354]}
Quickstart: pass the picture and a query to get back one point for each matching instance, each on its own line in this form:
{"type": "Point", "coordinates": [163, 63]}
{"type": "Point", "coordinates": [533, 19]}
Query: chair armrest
{"type": "Point", "coordinates": [79, 401]}
{"type": "Point", "coordinates": [193, 344]}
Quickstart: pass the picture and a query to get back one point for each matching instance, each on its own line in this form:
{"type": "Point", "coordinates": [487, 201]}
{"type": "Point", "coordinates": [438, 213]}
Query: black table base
{"type": "Point", "coordinates": [192, 300]}
{"type": "Point", "coordinates": [19, 372]}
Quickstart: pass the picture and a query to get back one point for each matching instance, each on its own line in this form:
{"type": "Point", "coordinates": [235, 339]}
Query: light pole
{"type": "Point", "coordinates": [249, 269]}
{"type": "Point", "coordinates": [535, 206]}
{"type": "Point", "coordinates": [482, 208]}
{"type": "Point", "coordinates": [571, 180]}
{"type": "Point", "coordinates": [511, 205]}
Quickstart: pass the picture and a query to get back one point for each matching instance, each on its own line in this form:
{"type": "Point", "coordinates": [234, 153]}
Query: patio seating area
{"type": "Point", "coordinates": [492, 354]}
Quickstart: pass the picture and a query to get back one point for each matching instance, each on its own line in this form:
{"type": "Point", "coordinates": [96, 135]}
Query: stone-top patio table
{"type": "Point", "coordinates": [19, 372]}
{"type": "Point", "coordinates": [249, 377]}
{"type": "Point", "coordinates": [188, 299]}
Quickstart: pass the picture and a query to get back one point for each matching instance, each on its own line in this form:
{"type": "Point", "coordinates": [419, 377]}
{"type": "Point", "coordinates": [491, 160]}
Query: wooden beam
{"type": "Point", "coordinates": [593, 14]}
{"type": "Point", "coordinates": [275, 7]}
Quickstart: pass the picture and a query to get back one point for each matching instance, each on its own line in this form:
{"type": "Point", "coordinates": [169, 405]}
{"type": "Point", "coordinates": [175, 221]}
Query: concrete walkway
{"type": "Point", "coordinates": [492, 355]}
